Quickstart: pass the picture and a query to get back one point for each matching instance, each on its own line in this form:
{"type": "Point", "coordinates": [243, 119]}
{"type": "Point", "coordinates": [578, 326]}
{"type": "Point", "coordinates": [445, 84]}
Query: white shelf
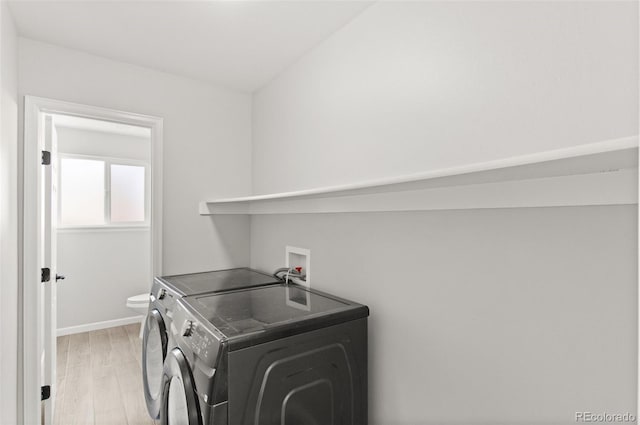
{"type": "Point", "coordinates": [603, 173]}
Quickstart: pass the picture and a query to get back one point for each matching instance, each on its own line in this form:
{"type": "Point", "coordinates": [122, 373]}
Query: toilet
{"type": "Point", "coordinates": [139, 304]}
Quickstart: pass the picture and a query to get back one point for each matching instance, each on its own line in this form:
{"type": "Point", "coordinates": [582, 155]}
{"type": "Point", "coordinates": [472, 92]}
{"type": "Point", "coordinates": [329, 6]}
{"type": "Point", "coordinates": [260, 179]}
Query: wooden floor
{"type": "Point", "coordinates": [100, 378]}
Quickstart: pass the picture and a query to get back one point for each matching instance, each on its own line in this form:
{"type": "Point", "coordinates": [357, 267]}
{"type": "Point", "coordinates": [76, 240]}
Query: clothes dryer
{"type": "Point", "coordinates": [157, 329]}
{"type": "Point", "coordinates": [279, 354]}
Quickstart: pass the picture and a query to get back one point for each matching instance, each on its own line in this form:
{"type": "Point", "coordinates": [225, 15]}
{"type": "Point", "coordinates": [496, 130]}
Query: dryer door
{"type": "Point", "coordinates": [154, 351]}
{"type": "Point", "coordinates": [180, 405]}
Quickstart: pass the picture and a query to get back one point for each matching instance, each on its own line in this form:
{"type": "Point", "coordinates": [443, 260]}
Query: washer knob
{"type": "Point", "coordinates": [162, 293]}
{"type": "Point", "coordinates": [187, 329]}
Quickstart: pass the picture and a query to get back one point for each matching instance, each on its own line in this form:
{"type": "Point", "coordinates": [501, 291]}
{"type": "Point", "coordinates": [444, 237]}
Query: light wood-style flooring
{"type": "Point", "coordinates": [99, 378]}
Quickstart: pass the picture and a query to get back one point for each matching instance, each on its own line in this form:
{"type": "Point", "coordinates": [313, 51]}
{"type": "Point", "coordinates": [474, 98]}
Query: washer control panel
{"type": "Point", "coordinates": [188, 327]}
{"type": "Point", "coordinates": [162, 296]}
{"type": "Point", "coordinates": [194, 336]}
{"type": "Point", "coordinates": [203, 344]}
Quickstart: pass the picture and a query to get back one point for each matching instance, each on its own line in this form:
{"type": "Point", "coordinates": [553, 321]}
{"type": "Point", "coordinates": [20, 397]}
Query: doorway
{"type": "Point", "coordinates": [94, 197]}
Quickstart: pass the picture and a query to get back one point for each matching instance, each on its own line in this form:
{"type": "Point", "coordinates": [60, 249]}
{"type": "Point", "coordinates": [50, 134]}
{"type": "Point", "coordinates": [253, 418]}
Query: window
{"type": "Point", "coordinates": [97, 192]}
{"type": "Point", "coordinates": [81, 192]}
{"type": "Point", "coordinates": [127, 193]}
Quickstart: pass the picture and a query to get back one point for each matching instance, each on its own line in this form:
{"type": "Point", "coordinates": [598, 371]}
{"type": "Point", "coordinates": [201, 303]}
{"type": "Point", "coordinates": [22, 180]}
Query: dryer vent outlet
{"type": "Point", "coordinates": [300, 260]}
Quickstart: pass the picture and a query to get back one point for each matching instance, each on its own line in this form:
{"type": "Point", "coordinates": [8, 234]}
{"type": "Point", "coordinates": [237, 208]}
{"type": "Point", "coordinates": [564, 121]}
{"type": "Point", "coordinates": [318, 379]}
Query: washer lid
{"type": "Point", "coordinates": [217, 281]}
{"type": "Point", "coordinates": [271, 308]}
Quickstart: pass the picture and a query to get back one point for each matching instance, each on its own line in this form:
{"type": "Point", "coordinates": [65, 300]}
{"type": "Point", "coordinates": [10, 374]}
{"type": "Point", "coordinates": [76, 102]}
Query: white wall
{"type": "Point", "coordinates": [477, 316]}
{"type": "Point", "coordinates": [103, 267]}
{"type": "Point", "coordinates": [206, 143]}
{"type": "Point", "coordinates": [9, 221]}
{"type": "Point", "coordinates": [412, 86]}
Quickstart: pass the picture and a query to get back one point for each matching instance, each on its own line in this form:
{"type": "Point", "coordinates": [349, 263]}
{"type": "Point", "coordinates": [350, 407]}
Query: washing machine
{"type": "Point", "coordinates": [280, 354]}
{"type": "Point", "coordinates": [165, 292]}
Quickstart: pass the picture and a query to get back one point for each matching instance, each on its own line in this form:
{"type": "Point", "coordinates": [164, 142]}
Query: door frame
{"type": "Point", "coordinates": [29, 297]}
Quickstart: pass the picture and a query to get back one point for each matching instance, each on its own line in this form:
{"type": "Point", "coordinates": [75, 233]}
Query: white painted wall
{"type": "Point", "coordinates": [9, 221]}
{"type": "Point", "coordinates": [413, 86]}
{"type": "Point", "coordinates": [477, 316]}
{"type": "Point", "coordinates": [207, 133]}
{"type": "Point", "coordinates": [103, 267]}
{"type": "Point", "coordinates": [481, 316]}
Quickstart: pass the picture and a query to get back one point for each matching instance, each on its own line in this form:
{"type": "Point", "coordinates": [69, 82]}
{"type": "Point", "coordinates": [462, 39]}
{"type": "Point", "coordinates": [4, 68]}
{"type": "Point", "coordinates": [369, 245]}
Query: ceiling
{"type": "Point", "coordinates": [240, 44]}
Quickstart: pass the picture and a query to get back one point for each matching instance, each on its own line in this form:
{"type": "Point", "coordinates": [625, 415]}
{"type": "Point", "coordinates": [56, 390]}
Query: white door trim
{"type": "Point", "coordinates": [29, 298]}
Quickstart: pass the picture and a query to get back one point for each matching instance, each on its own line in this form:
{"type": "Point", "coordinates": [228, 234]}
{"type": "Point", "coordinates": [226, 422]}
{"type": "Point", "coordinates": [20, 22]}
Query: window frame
{"type": "Point", "coordinates": [108, 225]}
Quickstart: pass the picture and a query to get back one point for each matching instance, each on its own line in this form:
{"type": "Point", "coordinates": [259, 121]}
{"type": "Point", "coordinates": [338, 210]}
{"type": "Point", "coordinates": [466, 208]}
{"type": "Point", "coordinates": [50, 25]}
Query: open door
{"type": "Point", "coordinates": [37, 376]}
{"type": "Point", "coordinates": [48, 298]}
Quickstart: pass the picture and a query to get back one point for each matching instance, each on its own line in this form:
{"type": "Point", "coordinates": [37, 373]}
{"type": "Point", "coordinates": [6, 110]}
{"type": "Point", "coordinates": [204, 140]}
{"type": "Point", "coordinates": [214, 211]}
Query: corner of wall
{"type": "Point", "coordinates": [251, 173]}
{"type": "Point", "coordinates": [9, 219]}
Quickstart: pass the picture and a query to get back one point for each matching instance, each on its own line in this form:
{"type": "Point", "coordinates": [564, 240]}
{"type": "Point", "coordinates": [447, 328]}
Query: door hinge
{"type": "Point", "coordinates": [45, 392]}
{"type": "Point", "coordinates": [45, 274]}
{"type": "Point", "coordinates": [46, 158]}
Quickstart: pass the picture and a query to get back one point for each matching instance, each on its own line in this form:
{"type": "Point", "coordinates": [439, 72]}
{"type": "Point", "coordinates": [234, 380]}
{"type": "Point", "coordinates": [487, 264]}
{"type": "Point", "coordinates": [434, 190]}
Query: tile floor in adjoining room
{"type": "Point", "coordinates": [99, 377]}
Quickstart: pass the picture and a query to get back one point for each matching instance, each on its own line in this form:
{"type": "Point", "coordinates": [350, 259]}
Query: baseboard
{"type": "Point", "coordinates": [99, 325]}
